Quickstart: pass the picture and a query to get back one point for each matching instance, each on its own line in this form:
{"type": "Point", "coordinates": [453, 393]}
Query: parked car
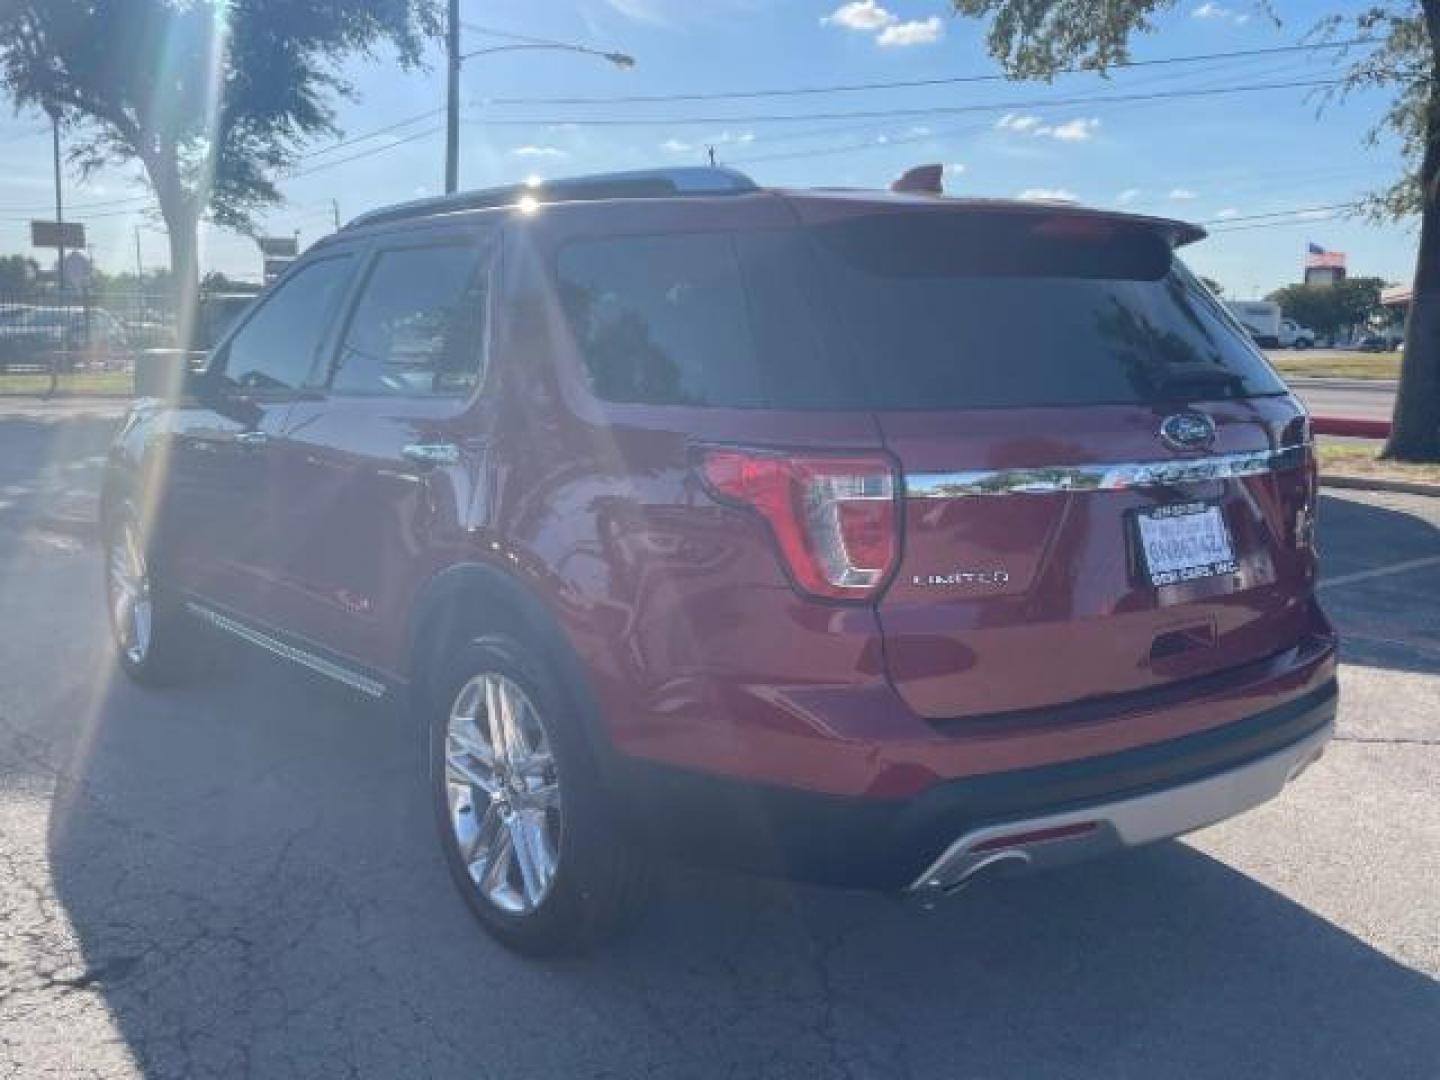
{"type": "Point", "coordinates": [1375, 343]}
{"type": "Point", "coordinates": [81, 337]}
{"type": "Point", "coordinates": [765, 527]}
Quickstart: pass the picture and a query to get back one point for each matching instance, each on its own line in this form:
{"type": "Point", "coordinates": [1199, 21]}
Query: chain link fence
{"type": "Point", "coordinates": [90, 341]}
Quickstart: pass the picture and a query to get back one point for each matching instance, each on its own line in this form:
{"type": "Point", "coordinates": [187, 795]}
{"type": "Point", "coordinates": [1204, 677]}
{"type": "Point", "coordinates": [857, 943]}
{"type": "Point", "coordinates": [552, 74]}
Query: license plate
{"type": "Point", "coordinates": [1185, 542]}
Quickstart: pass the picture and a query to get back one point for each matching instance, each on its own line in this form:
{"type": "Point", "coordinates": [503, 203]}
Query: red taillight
{"type": "Point", "coordinates": [833, 516]}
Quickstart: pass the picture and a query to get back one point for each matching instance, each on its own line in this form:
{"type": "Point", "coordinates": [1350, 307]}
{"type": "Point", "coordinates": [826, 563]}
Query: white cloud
{"type": "Point", "coordinates": [869, 17]}
{"type": "Point", "coordinates": [1212, 10]}
{"type": "Point", "coordinates": [1228, 212]}
{"type": "Point", "coordinates": [1042, 194]}
{"type": "Point", "coordinates": [1017, 122]}
{"type": "Point", "coordinates": [1181, 194]}
{"type": "Point", "coordinates": [955, 168]}
{"type": "Point", "coordinates": [1129, 195]}
{"type": "Point", "coordinates": [675, 146]}
{"type": "Point", "coordinates": [538, 152]}
{"type": "Point", "coordinates": [919, 131]}
{"type": "Point", "coordinates": [864, 15]}
{"type": "Point", "coordinates": [917, 32]}
{"type": "Point", "coordinates": [1078, 130]}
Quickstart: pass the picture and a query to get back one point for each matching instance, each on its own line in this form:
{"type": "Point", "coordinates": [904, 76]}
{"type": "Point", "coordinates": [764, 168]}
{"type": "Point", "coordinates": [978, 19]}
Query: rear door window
{"type": "Point", "coordinates": [712, 319]}
{"type": "Point", "coordinates": [418, 327]}
{"type": "Point", "coordinates": [903, 311]}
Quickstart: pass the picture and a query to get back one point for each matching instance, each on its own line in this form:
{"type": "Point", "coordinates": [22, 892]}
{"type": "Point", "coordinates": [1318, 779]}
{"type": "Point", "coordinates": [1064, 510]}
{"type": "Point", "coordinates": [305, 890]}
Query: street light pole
{"type": "Point", "coordinates": [454, 58]}
{"type": "Point", "coordinates": [452, 98]}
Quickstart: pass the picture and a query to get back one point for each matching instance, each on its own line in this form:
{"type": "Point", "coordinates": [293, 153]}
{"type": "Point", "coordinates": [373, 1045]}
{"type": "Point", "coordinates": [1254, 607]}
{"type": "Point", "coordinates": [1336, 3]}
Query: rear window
{"type": "Point", "coordinates": [903, 311]}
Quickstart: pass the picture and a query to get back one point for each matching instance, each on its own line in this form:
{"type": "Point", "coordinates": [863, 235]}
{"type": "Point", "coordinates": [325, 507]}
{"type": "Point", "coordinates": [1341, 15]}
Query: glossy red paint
{"type": "Point", "coordinates": [698, 645]}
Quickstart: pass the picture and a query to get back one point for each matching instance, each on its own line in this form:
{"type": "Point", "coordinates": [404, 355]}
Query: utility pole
{"type": "Point", "coordinates": [335, 212]}
{"type": "Point", "coordinates": [59, 206]}
{"type": "Point", "coordinates": [452, 99]}
{"type": "Point", "coordinates": [55, 357]}
{"type": "Point", "coordinates": [710, 150]}
{"type": "Point", "coordinates": [139, 266]}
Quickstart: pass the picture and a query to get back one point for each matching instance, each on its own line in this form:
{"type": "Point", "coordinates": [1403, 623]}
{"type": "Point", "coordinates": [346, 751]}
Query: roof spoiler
{"type": "Point", "coordinates": [922, 179]}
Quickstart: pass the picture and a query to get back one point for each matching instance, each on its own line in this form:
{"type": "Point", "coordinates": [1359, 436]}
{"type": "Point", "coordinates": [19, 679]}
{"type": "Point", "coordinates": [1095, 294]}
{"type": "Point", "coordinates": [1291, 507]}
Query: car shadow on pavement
{"type": "Point", "coordinates": [1389, 620]}
{"type": "Point", "coordinates": [250, 872]}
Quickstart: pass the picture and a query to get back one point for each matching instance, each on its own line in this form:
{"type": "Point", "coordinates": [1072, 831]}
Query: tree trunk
{"type": "Point", "coordinates": [178, 209]}
{"type": "Point", "coordinates": [1415, 434]}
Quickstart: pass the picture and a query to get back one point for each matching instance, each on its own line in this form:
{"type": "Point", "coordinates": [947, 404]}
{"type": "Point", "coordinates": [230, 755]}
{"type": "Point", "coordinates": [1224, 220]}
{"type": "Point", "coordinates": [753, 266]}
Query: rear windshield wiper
{"type": "Point", "coordinates": [1204, 377]}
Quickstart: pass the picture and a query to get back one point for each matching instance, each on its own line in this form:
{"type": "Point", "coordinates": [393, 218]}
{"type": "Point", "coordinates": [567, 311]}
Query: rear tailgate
{"type": "Point", "coordinates": [1014, 593]}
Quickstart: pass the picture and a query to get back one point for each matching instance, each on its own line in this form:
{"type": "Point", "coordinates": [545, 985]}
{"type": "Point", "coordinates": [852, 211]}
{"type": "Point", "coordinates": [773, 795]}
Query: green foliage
{"type": "Point", "coordinates": [1399, 57]}
{"type": "Point", "coordinates": [213, 97]}
{"type": "Point", "coordinates": [1035, 39]}
{"type": "Point", "coordinates": [1328, 309]}
{"type": "Point", "coordinates": [17, 273]}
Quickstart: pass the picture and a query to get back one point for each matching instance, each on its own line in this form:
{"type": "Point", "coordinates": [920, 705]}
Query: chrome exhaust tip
{"type": "Point", "coordinates": [998, 864]}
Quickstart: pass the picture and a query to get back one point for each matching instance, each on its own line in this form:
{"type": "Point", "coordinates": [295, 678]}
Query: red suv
{"type": "Point", "coordinates": [874, 538]}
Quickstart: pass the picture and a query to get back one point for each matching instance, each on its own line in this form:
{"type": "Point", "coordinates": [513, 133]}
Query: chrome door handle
{"type": "Point", "coordinates": [431, 454]}
{"type": "Point", "coordinates": [251, 438]}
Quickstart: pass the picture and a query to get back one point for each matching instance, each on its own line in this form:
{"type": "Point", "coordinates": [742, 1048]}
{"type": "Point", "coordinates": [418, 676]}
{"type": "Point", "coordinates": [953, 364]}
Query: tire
{"type": "Point", "coordinates": [532, 844]}
{"type": "Point", "coordinates": [154, 643]}
{"type": "Point", "coordinates": [1301, 344]}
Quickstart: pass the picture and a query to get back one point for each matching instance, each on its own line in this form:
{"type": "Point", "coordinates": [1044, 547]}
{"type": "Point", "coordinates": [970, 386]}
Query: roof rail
{"type": "Point", "coordinates": [640, 184]}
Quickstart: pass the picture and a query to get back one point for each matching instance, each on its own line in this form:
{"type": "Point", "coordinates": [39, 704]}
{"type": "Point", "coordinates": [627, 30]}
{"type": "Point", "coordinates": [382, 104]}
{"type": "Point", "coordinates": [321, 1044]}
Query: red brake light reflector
{"type": "Point", "coordinates": [833, 516]}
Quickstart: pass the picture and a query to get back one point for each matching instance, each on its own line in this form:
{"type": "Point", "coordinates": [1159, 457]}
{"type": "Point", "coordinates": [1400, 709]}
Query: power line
{"type": "Point", "coordinates": [899, 114]}
{"type": "Point", "coordinates": [904, 84]}
{"type": "Point", "coordinates": [1282, 213]}
{"type": "Point", "coordinates": [364, 153]}
{"type": "Point", "coordinates": [308, 155]}
{"type": "Point", "coordinates": [352, 140]}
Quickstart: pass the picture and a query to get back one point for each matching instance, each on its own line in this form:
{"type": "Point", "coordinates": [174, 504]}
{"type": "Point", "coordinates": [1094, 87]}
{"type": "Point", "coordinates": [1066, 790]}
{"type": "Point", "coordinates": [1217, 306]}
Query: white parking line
{"type": "Point", "coordinates": [1380, 571]}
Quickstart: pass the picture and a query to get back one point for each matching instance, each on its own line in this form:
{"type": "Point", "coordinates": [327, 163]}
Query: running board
{"type": "Point", "coordinates": [318, 664]}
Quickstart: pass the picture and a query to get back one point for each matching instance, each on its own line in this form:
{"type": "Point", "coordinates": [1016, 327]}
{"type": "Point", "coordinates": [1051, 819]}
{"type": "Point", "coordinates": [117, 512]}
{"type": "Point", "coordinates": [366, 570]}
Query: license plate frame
{"type": "Point", "coordinates": [1200, 544]}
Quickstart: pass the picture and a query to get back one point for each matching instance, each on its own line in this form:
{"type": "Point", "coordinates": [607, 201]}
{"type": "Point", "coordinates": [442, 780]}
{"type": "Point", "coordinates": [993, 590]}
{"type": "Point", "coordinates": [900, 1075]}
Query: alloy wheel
{"type": "Point", "coordinates": [503, 793]}
{"type": "Point", "coordinates": [131, 608]}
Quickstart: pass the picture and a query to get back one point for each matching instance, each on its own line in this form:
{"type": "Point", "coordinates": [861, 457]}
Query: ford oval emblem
{"type": "Point", "coordinates": [1187, 431]}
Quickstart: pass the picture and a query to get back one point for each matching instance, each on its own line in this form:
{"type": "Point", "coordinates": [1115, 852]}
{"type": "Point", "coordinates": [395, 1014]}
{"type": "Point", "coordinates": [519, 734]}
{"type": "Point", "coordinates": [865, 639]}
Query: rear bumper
{"type": "Point", "coordinates": [1054, 839]}
{"type": "Point", "coordinates": [1141, 794]}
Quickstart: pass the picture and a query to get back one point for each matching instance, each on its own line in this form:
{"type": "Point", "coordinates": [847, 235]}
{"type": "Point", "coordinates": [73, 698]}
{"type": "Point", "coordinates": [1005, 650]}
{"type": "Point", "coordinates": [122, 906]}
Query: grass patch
{"type": "Point", "coordinates": [109, 383]}
{"type": "Point", "coordinates": [1336, 363]}
{"type": "Point", "coordinates": [1362, 459]}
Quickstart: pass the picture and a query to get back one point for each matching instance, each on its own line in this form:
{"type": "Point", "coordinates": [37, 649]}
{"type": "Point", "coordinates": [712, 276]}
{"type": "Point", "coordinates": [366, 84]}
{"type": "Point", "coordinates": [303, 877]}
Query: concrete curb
{"type": "Point", "coordinates": [1367, 483]}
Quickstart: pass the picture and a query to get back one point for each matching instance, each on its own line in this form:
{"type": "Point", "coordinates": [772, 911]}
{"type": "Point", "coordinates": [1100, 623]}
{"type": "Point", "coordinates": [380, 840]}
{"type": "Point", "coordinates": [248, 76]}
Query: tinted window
{"type": "Point", "coordinates": [419, 325]}
{"type": "Point", "coordinates": [903, 311]}
{"type": "Point", "coordinates": [275, 349]}
{"type": "Point", "coordinates": [981, 311]}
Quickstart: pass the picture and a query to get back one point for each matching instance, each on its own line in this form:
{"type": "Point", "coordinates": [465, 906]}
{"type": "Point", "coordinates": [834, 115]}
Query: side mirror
{"type": "Point", "coordinates": [167, 374]}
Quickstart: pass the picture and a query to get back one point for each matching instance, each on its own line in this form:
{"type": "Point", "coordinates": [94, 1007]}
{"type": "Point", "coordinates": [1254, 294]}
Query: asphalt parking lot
{"type": "Point", "coordinates": [238, 879]}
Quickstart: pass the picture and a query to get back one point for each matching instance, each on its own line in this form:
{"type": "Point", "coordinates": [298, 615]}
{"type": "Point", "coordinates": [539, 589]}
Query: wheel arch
{"type": "Point", "coordinates": [471, 599]}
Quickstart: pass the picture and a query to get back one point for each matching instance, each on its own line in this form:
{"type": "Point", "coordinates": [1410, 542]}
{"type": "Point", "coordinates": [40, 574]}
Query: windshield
{"type": "Point", "coordinates": [903, 311]}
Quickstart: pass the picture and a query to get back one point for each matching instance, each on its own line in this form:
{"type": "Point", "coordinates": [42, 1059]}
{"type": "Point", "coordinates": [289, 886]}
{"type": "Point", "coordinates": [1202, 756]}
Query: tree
{"type": "Point", "coordinates": [1213, 285]}
{"type": "Point", "coordinates": [18, 273]}
{"type": "Point", "coordinates": [213, 98]}
{"type": "Point", "coordinates": [1328, 309]}
{"type": "Point", "coordinates": [1401, 53]}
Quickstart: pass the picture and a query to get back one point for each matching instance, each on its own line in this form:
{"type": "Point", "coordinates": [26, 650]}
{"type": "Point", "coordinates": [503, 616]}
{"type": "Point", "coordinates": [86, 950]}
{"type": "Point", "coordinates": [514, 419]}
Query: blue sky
{"type": "Point", "coordinates": [1206, 158]}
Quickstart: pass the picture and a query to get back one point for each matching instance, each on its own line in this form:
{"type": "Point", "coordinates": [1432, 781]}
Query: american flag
{"type": "Point", "coordinates": [1317, 256]}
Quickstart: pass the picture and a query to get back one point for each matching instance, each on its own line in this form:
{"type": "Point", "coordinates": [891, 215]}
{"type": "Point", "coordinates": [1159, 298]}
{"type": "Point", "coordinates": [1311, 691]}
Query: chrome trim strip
{"type": "Point", "coordinates": [1048, 480]}
{"type": "Point", "coordinates": [318, 664]}
{"type": "Point", "coordinates": [1126, 823]}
